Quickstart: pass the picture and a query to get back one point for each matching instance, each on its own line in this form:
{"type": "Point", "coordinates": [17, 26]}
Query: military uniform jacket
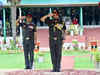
{"type": "Point", "coordinates": [28, 30]}
{"type": "Point", "coordinates": [54, 31]}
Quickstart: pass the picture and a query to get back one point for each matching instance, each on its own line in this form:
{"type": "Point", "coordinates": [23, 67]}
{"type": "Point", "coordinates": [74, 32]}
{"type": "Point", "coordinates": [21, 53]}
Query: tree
{"type": "Point", "coordinates": [13, 17]}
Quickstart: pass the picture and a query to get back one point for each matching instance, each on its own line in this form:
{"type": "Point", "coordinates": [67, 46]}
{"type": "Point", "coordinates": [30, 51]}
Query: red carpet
{"type": "Point", "coordinates": [67, 62]}
{"type": "Point", "coordinates": [43, 38]}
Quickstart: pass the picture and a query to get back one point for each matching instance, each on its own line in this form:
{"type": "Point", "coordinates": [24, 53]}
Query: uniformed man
{"type": "Point", "coordinates": [29, 39]}
{"type": "Point", "coordinates": [56, 28]}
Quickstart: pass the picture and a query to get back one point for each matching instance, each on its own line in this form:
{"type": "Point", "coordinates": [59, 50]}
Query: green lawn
{"type": "Point", "coordinates": [16, 61]}
{"type": "Point", "coordinates": [11, 61]}
{"type": "Point", "coordinates": [83, 63]}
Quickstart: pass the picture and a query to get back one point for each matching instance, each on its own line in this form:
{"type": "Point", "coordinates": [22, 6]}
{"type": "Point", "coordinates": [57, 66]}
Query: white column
{"type": "Point", "coordinates": [13, 21]}
{"type": "Point", "coordinates": [81, 21]}
{"type": "Point", "coordinates": [21, 35]}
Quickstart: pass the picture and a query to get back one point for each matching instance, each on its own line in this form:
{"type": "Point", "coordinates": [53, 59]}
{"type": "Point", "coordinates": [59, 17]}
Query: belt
{"type": "Point", "coordinates": [27, 38]}
{"type": "Point", "coordinates": [55, 38]}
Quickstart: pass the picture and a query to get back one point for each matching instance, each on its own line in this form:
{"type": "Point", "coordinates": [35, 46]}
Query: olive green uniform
{"type": "Point", "coordinates": [55, 42]}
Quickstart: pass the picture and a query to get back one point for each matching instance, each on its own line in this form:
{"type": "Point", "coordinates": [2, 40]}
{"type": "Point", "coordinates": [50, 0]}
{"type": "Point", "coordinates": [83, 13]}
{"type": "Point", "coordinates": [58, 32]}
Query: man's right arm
{"type": "Point", "coordinates": [45, 17]}
{"type": "Point", "coordinates": [18, 20]}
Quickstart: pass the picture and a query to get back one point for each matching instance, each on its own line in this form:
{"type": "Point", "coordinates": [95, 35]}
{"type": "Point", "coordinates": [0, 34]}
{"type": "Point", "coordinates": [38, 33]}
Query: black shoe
{"type": "Point", "coordinates": [58, 71]}
{"type": "Point", "coordinates": [27, 68]}
{"type": "Point", "coordinates": [53, 70]}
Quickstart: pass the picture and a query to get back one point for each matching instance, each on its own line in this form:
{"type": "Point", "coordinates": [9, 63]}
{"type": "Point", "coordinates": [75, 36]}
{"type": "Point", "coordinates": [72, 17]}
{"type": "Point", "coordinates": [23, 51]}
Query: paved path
{"type": "Point", "coordinates": [47, 72]}
{"type": "Point", "coordinates": [68, 62]}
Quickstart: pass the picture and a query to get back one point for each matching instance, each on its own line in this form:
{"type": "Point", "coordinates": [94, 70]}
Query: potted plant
{"type": "Point", "coordinates": [75, 45]}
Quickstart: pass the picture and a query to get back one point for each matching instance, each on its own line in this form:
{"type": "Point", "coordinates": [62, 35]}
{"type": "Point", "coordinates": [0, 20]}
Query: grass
{"type": "Point", "coordinates": [11, 61]}
{"type": "Point", "coordinates": [46, 64]}
{"type": "Point", "coordinates": [83, 63]}
{"type": "Point", "coordinates": [16, 61]}
{"type": "Point", "coordinates": [75, 53]}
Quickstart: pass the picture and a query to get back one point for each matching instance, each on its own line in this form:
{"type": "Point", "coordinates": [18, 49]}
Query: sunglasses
{"type": "Point", "coordinates": [55, 14]}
